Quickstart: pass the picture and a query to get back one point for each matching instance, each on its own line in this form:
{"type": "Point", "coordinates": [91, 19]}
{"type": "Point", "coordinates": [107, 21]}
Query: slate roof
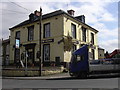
{"type": "Point", "coordinates": [52, 14]}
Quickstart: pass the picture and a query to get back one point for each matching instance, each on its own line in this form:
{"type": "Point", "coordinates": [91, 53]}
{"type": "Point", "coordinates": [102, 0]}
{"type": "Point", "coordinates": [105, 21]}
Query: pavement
{"type": "Point", "coordinates": [54, 76]}
{"type": "Point", "coordinates": [62, 76]}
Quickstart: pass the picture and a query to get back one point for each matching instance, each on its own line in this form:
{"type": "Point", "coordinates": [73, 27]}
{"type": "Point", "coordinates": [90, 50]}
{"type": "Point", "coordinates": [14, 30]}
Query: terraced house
{"type": "Point", "coordinates": [62, 33]}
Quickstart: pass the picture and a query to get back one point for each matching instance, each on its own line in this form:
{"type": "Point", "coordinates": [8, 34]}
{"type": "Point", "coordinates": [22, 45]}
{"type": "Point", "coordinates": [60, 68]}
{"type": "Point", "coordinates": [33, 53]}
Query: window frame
{"type": "Point", "coordinates": [31, 37]}
{"type": "Point", "coordinates": [73, 30]}
{"type": "Point", "coordinates": [45, 31]}
{"type": "Point", "coordinates": [17, 36]}
{"type": "Point", "coordinates": [93, 53]}
{"type": "Point", "coordinates": [44, 46]}
{"type": "Point", "coordinates": [83, 34]}
{"type": "Point", "coordinates": [92, 38]}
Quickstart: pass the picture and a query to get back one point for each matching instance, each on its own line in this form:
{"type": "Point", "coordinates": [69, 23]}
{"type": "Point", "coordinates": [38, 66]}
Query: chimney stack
{"type": "Point", "coordinates": [34, 16]}
{"type": "Point", "coordinates": [37, 13]}
{"type": "Point", "coordinates": [71, 12]}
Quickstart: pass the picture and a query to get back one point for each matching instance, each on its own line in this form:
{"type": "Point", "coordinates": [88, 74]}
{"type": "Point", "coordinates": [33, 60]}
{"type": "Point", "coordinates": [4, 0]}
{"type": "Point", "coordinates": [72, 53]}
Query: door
{"type": "Point", "coordinates": [30, 53]}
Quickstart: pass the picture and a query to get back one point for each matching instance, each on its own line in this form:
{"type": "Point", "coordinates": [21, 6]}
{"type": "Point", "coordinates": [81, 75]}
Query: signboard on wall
{"type": "Point", "coordinates": [48, 41]}
{"type": "Point", "coordinates": [17, 43]}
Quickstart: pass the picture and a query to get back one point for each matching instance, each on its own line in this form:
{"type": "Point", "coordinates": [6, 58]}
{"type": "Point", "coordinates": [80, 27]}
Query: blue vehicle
{"type": "Point", "coordinates": [81, 66]}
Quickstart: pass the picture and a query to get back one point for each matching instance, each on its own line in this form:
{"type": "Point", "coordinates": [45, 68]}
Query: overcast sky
{"type": "Point", "coordinates": [101, 15]}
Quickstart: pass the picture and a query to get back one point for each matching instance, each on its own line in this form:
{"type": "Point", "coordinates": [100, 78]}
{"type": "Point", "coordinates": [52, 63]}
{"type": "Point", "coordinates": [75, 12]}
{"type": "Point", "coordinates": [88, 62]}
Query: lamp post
{"type": "Point", "coordinates": [40, 62]}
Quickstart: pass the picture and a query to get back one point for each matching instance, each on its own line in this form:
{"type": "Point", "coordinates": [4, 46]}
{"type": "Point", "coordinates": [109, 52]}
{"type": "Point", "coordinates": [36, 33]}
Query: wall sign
{"type": "Point", "coordinates": [17, 43]}
{"type": "Point", "coordinates": [47, 40]}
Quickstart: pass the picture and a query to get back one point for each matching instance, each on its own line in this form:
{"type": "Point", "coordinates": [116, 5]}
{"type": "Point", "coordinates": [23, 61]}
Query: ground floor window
{"type": "Point", "coordinates": [93, 54]}
{"type": "Point", "coordinates": [46, 53]}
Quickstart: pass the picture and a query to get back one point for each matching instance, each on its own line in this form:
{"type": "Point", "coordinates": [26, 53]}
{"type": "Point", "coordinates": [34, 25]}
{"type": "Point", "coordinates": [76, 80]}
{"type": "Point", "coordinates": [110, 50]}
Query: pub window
{"type": "Point", "coordinates": [93, 54]}
{"type": "Point", "coordinates": [30, 33]}
{"type": "Point", "coordinates": [46, 30]}
{"type": "Point", "coordinates": [18, 35]}
{"type": "Point", "coordinates": [73, 30]}
{"type": "Point", "coordinates": [46, 53]}
{"type": "Point", "coordinates": [92, 38]}
{"type": "Point", "coordinates": [84, 34]}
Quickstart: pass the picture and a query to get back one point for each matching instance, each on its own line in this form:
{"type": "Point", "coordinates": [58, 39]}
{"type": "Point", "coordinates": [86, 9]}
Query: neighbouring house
{"type": "Point", "coordinates": [5, 52]}
{"type": "Point", "coordinates": [101, 53]}
{"type": "Point", "coordinates": [62, 33]}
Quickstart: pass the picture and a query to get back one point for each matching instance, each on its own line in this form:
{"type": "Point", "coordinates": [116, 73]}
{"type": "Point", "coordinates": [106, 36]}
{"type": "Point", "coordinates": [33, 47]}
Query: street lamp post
{"type": "Point", "coordinates": [40, 21]}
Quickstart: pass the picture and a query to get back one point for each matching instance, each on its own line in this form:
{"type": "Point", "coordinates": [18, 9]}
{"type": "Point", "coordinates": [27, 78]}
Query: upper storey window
{"type": "Point", "coordinates": [73, 30]}
{"type": "Point", "coordinates": [30, 33]}
{"type": "Point", "coordinates": [46, 30]}
{"type": "Point", "coordinates": [17, 35]}
{"type": "Point", "coordinates": [84, 34]}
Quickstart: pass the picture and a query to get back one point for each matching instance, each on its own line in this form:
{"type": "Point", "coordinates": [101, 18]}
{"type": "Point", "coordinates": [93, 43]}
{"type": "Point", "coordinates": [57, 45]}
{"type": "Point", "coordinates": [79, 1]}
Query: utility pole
{"type": "Point", "coordinates": [40, 61]}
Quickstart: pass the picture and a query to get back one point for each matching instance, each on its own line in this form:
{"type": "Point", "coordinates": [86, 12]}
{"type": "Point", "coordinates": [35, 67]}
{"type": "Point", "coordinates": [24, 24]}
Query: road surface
{"type": "Point", "coordinates": [62, 82]}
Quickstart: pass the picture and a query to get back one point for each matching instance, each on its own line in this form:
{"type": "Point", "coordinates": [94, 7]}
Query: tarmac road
{"type": "Point", "coordinates": [61, 81]}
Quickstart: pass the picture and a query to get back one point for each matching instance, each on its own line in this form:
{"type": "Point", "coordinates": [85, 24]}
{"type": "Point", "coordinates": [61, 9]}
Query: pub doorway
{"type": "Point", "coordinates": [30, 48]}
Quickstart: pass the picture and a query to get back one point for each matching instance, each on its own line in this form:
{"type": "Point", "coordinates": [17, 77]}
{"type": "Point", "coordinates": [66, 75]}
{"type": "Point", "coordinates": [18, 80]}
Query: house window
{"type": "Point", "coordinates": [92, 38]}
{"type": "Point", "coordinates": [17, 35]}
{"type": "Point", "coordinates": [30, 33]}
{"type": "Point", "coordinates": [46, 52]}
{"type": "Point", "coordinates": [46, 30]}
{"type": "Point", "coordinates": [84, 34]}
{"type": "Point", "coordinates": [73, 30]}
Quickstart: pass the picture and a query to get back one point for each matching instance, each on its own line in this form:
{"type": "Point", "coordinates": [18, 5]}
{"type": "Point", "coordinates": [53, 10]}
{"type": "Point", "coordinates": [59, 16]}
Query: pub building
{"type": "Point", "coordinates": [61, 34]}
